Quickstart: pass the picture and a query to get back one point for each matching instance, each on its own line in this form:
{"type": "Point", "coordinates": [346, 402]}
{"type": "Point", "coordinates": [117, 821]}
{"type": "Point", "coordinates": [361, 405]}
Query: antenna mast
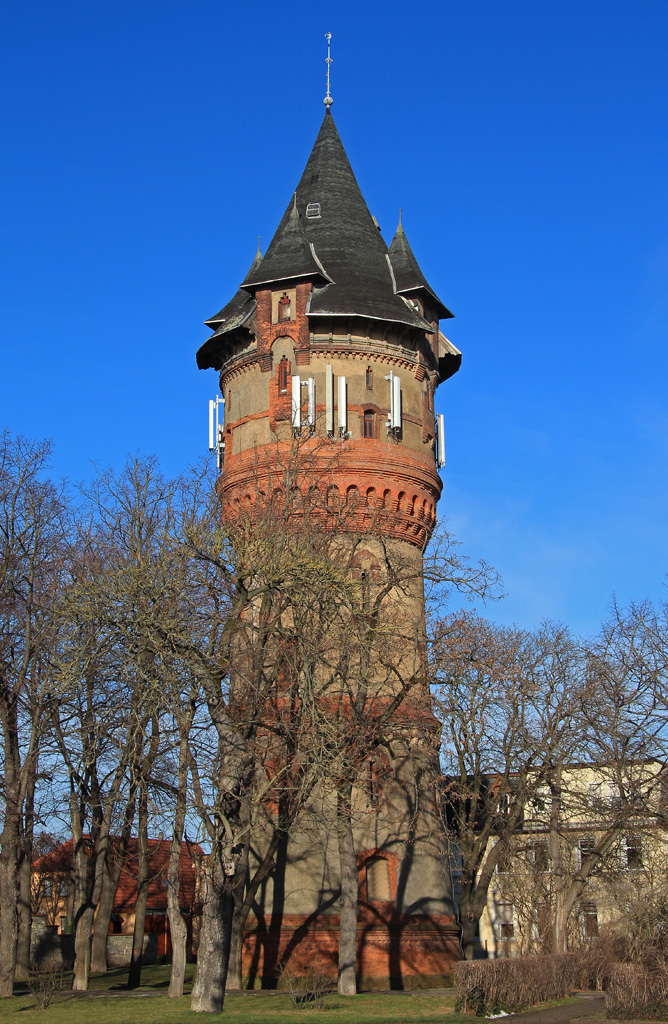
{"type": "Point", "coordinates": [328, 60]}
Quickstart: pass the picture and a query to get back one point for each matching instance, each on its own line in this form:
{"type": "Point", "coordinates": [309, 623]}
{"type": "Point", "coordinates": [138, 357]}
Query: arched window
{"type": "Point", "coordinates": [368, 423]}
{"type": "Point", "coordinates": [369, 377]}
{"type": "Point", "coordinates": [284, 308]}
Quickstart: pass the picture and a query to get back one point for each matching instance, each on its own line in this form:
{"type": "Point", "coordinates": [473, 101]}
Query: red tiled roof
{"type": "Point", "coordinates": [59, 861]}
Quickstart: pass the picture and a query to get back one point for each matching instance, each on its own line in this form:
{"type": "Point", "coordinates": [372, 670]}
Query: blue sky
{"type": "Point", "coordinates": [146, 146]}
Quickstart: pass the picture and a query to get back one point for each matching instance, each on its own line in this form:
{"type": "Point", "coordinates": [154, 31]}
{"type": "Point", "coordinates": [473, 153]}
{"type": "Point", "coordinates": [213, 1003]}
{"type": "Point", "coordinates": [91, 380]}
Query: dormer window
{"type": "Point", "coordinates": [312, 211]}
{"type": "Point", "coordinates": [284, 307]}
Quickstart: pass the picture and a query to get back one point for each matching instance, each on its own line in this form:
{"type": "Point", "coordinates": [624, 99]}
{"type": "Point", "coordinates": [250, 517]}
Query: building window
{"type": "Point", "coordinates": [368, 423]}
{"type": "Point", "coordinates": [48, 887]}
{"type": "Point", "coordinates": [369, 377]}
{"type": "Point", "coordinates": [540, 799]}
{"type": "Point", "coordinates": [539, 856]}
{"type": "Point", "coordinates": [633, 846]}
{"type": "Point", "coordinates": [284, 308]}
{"type": "Point", "coordinates": [62, 890]}
{"type": "Point", "coordinates": [283, 375]}
{"type": "Point", "coordinates": [586, 845]}
{"type": "Point", "coordinates": [506, 920]}
{"type": "Point", "coordinates": [504, 863]}
{"type": "Point", "coordinates": [590, 920]}
{"type": "Point", "coordinates": [378, 879]}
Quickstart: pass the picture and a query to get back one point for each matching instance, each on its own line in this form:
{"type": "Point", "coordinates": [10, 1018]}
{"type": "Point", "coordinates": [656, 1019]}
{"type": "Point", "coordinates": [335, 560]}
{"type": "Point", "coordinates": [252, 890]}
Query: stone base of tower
{"type": "Point", "coordinates": [396, 952]}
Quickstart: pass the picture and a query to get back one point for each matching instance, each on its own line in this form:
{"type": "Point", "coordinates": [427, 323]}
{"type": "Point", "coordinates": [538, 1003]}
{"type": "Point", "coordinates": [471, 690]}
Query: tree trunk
{"type": "Point", "coordinates": [134, 974]}
{"type": "Point", "coordinates": [208, 994]}
{"type": "Point", "coordinates": [179, 936]}
{"type": "Point", "coordinates": [177, 924]}
{"type": "Point", "coordinates": [469, 927]}
{"type": "Point", "coordinates": [559, 920]}
{"type": "Point", "coordinates": [349, 896]}
{"type": "Point", "coordinates": [98, 956]}
{"type": "Point", "coordinates": [24, 918]}
{"type": "Point", "coordinates": [10, 850]}
{"type": "Point", "coordinates": [242, 910]}
{"type": "Point", "coordinates": [8, 918]}
{"type": "Point", "coordinates": [82, 936]}
{"type": "Point", "coordinates": [239, 885]}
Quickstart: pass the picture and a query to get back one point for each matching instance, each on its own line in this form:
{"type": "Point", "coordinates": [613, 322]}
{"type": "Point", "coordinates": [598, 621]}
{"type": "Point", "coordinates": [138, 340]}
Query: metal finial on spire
{"type": "Point", "coordinates": [328, 60]}
{"type": "Point", "coordinates": [399, 216]}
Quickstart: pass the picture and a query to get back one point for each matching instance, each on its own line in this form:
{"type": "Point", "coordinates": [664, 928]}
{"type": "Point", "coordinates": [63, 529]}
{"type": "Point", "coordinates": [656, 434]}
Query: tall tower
{"type": "Point", "coordinates": [334, 334]}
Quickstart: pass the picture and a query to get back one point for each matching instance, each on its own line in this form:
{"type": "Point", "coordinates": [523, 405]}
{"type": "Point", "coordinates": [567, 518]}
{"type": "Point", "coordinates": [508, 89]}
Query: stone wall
{"type": "Point", "coordinates": [119, 950]}
{"type": "Point", "coordinates": [50, 949]}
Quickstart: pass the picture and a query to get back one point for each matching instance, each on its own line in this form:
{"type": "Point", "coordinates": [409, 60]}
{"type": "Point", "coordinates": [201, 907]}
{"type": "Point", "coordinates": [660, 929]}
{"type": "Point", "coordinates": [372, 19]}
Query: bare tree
{"type": "Point", "coordinates": [31, 544]}
{"type": "Point", "coordinates": [510, 706]}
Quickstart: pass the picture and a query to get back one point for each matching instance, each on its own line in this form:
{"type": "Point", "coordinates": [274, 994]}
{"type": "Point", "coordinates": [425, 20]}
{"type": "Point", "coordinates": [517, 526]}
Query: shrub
{"type": "Point", "coordinates": [307, 989]}
{"type": "Point", "coordinates": [44, 983]}
{"type": "Point", "coordinates": [485, 987]}
{"type": "Point", "coordinates": [637, 990]}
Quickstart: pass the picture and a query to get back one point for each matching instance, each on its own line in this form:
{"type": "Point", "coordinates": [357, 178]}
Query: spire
{"type": "Point", "coordinates": [407, 273]}
{"type": "Point", "coordinates": [328, 60]}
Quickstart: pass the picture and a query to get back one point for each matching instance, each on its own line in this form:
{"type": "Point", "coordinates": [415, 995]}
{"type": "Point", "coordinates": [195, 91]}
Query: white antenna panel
{"type": "Point", "coordinates": [212, 431]}
{"type": "Point", "coordinates": [296, 403]}
{"type": "Point", "coordinates": [343, 406]}
{"type": "Point", "coordinates": [329, 399]}
{"type": "Point", "coordinates": [440, 440]}
{"type": "Point", "coordinates": [396, 403]}
{"type": "Point", "coordinates": [311, 403]}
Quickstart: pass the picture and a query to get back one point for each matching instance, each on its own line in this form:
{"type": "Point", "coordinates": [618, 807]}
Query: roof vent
{"type": "Point", "coordinates": [313, 210]}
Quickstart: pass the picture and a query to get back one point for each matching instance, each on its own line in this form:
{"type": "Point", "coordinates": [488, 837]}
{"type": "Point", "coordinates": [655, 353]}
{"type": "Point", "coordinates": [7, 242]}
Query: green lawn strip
{"type": "Point", "coordinates": [261, 1008]}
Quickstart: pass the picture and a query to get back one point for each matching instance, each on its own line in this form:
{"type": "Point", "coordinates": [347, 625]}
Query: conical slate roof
{"type": "Point", "coordinates": [343, 239]}
{"type": "Point", "coordinates": [407, 273]}
{"type": "Point", "coordinates": [289, 256]}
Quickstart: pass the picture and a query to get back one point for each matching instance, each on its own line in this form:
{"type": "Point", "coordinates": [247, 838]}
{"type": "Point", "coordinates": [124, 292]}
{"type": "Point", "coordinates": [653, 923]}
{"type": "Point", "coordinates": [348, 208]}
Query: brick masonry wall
{"type": "Point", "coordinates": [397, 952]}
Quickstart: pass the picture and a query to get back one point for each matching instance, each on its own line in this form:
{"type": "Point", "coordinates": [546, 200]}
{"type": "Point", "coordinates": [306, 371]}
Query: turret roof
{"type": "Point", "coordinates": [407, 273]}
{"type": "Point", "coordinates": [289, 255]}
{"type": "Point", "coordinates": [344, 240]}
{"type": "Point", "coordinates": [338, 246]}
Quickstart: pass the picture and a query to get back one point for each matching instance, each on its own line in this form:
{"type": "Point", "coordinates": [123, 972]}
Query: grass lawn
{"type": "Point", "coordinates": [152, 1006]}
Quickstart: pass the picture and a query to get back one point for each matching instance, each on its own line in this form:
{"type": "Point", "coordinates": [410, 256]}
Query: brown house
{"type": "Point", "coordinates": [53, 889]}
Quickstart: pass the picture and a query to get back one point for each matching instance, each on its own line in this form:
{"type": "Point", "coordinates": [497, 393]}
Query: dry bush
{"type": "Point", "coordinates": [308, 988]}
{"type": "Point", "coordinates": [491, 986]}
{"type": "Point", "coordinates": [44, 983]}
{"type": "Point", "coordinates": [637, 990]}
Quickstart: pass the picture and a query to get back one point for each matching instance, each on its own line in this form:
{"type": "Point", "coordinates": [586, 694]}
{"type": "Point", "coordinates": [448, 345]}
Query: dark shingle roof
{"type": "Point", "coordinates": [236, 313]}
{"type": "Point", "coordinates": [288, 256]}
{"type": "Point", "coordinates": [343, 240]}
{"type": "Point", "coordinates": [407, 273]}
{"type": "Point", "coordinates": [234, 305]}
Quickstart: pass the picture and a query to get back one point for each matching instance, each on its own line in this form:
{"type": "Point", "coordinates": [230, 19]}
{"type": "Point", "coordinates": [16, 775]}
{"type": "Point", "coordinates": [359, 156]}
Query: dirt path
{"type": "Point", "coordinates": [588, 1006]}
